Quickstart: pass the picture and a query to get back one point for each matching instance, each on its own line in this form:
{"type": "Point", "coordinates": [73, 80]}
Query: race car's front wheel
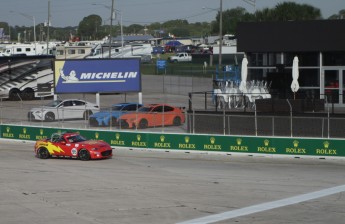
{"type": "Point", "coordinates": [84, 155]}
{"type": "Point", "coordinates": [43, 153]}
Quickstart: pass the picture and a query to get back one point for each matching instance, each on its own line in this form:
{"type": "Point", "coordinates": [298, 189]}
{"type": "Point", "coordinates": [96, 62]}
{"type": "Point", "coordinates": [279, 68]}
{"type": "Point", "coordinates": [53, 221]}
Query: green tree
{"type": "Point", "coordinates": [281, 12]}
{"type": "Point", "coordinates": [230, 19]}
{"type": "Point", "coordinates": [292, 11]}
{"type": "Point", "coordinates": [134, 29]}
{"type": "Point", "coordinates": [199, 29]}
{"type": "Point", "coordinates": [175, 23]}
{"type": "Point", "coordinates": [88, 28]}
{"type": "Point", "coordinates": [263, 15]}
{"type": "Point", "coordinates": [340, 15]}
{"type": "Point", "coordinates": [288, 11]}
{"type": "Point", "coordinates": [5, 27]}
{"type": "Point", "coordinates": [180, 31]}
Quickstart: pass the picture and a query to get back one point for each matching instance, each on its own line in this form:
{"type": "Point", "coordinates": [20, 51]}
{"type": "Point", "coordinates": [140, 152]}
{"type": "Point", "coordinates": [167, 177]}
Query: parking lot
{"type": "Point", "coordinates": [159, 89]}
{"type": "Point", "coordinates": [145, 186]}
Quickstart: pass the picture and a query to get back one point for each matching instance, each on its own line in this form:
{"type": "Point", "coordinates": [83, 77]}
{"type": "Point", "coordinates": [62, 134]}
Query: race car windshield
{"type": "Point", "coordinates": [76, 138]}
{"type": "Point", "coordinates": [54, 103]}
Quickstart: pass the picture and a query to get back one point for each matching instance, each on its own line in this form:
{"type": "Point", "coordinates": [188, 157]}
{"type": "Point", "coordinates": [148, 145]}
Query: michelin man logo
{"type": "Point", "coordinates": [69, 78]}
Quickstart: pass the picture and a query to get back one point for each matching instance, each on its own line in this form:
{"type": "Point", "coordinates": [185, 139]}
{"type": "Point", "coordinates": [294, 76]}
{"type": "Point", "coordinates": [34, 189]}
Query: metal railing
{"type": "Point", "coordinates": [258, 125]}
{"type": "Point", "coordinates": [265, 117]}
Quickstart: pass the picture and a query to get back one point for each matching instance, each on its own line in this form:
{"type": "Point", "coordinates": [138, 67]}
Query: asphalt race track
{"type": "Point", "coordinates": [160, 187]}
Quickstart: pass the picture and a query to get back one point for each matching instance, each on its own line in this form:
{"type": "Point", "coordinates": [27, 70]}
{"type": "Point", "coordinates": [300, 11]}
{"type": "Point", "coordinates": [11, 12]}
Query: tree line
{"type": "Point", "coordinates": [91, 27]}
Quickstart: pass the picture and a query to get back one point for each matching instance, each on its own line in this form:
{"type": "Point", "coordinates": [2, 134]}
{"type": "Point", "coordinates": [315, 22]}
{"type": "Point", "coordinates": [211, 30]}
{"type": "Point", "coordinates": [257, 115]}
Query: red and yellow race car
{"type": "Point", "coordinates": [72, 145]}
{"type": "Point", "coordinates": [153, 115]}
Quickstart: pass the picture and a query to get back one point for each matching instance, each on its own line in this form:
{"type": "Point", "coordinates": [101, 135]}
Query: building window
{"type": "Point", "coordinates": [71, 51]}
{"type": "Point", "coordinates": [333, 59]}
{"type": "Point", "coordinates": [310, 59]}
{"type": "Point", "coordinates": [308, 77]}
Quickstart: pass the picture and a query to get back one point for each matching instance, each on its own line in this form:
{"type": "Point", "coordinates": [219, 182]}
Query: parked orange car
{"type": "Point", "coordinates": [153, 115]}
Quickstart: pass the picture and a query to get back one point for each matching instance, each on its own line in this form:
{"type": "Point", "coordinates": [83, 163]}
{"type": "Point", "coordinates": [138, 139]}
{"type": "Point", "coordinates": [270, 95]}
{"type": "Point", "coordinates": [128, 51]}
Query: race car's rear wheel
{"type": "Point", "coordinates": [43, 153]}
{"type": "Point", "coordinates": [84, 155]}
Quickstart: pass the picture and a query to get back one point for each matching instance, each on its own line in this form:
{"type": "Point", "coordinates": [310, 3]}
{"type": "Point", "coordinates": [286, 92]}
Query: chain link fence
{"type": "Point", "coordinates": [21, 113]}
{"type": "Point", "coordinates": [204, 114]}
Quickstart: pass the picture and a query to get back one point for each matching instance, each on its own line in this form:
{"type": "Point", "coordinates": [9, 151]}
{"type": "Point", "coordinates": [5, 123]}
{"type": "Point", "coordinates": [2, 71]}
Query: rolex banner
{"type": "Point", "coordinates": [188, 142]}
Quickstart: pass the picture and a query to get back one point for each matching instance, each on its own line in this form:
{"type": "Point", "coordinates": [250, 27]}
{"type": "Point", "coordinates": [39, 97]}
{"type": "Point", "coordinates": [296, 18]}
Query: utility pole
{"type": "Point", "coordinates": [9, 32]}
{"type": "Point", "coordinates": [220, 35]}
{"type": "Point", "coordinates": [111, 25]}
{"type": "Point", "coordinates": [48, 23]}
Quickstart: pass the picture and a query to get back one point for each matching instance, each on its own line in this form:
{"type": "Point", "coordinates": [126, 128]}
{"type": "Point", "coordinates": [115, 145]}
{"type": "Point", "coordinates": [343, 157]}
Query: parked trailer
{"type": "Point", "coordinates": [21, 76]}
{"type": "Point", "coordinates": [26, 49]}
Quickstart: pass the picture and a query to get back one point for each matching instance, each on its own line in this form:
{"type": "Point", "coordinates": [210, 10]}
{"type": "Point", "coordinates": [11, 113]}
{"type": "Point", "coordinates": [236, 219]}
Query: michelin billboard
{"type": "Point", "coordinates": [97, 75]}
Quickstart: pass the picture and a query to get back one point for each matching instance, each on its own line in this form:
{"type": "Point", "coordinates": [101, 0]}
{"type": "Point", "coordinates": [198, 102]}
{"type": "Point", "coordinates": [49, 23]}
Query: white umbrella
{"type": "Point", "coordinates": [295, 75]}
{"type": "Point", "coordinates": [244, 73]}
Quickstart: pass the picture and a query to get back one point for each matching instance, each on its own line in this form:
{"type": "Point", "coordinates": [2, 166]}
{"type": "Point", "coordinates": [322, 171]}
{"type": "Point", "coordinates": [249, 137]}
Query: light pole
{"type": "Point", "coordinates": [111, 26]}
{"type": "Point", "coordinates": [48, 24]}
{"type": "Point", "coordinates": [220, 32]}
{"type": "Point", "coordinates": [120, 12]}
{"type": "Point", "coordinates": [251, 2]}
{"type": "Point", "coordinates": [111, 21]}
{"type": "Point", "coordinates": [9, 32]}
{"type": "Point", "coordinates": [34, 21]}
{"type": "Point", "coordinates": [220, 35]}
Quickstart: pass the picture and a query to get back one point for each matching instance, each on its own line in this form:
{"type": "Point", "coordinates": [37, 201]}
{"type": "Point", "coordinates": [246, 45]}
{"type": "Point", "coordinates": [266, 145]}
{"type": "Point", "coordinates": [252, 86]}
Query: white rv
{"type": "Point", "coordinates": [30, 49]}
{"type": "Point", "coordinates": [138, 50]}
{"type": "Point", "coordinates": [21, 77]}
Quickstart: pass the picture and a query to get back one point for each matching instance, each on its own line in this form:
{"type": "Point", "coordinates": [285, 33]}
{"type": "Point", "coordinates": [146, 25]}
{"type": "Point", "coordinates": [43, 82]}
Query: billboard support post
{"type": "Point", "coordinates": [140, 97]}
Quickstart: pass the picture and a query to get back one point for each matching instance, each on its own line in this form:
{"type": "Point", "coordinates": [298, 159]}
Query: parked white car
{"type": "Point", "coordinates": [63, 109]}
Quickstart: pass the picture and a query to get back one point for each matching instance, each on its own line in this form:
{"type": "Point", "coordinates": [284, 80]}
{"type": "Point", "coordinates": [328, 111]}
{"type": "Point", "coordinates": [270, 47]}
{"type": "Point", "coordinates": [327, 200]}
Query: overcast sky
{"type": "Point", "coordinates": [70, 12]}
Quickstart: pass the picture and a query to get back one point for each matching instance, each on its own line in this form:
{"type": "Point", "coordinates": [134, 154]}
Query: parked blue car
{"type": "Point", "coordinates": [110, 116]}
{"type": "Point", "coordinates": [158, 50]}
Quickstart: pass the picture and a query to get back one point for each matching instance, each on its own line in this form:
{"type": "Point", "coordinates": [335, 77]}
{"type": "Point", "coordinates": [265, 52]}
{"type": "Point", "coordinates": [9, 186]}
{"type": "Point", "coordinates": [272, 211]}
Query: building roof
{"type": "Point", "coordinates": [291, 36]}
